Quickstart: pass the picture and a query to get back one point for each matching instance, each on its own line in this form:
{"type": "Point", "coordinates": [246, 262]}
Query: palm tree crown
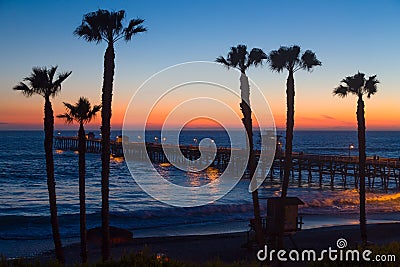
{"type": "Point", "coordinates": [81, 112]}
{"type": "Point", "coordinates": [357, 85]}
{"type": "Point", "coordinates": [238, 57]}
{"type": "Point", "coordinates": [288, 58]}
{"type": "Point", "coordinates": [107, 25]}
{"type": "Point", "coordinates": [41, 82]}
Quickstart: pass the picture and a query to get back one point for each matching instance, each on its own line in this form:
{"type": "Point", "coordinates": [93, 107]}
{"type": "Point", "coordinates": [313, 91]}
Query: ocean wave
{"type": "Point", "coordinates": [347, 201]}
{"type": "Point", "coordinates": [16, 227]}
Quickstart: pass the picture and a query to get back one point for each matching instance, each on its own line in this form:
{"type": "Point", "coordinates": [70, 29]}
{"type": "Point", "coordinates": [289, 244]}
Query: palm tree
{"type": "Point", "coordinates": [98, 26]}
{"type": "Point", "coordinates": [359, 86]}
{"type": "Point", "coordinates": [82, 113]}
{"type": "Point", "coordinates": [41, 82]}
{"type": "Point", "coordinates": [239, 58]}
{"type": "Point", "coordinates": [289, 58]}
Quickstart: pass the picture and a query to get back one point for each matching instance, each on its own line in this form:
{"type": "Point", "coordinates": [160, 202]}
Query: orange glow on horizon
{"type": "Point", "coordinates": [378, 117]}
{"type": "Point", "coordinates": [34, 120]}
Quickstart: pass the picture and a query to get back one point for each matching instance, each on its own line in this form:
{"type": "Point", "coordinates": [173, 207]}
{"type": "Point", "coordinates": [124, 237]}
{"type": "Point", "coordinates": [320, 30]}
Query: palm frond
{"type": "Point", "coordinates": [309, 60]}
{"type": "Point", "coordinates": [370, 87]}
{"type": "Point", "coordinates": [357, 85]}
{"type": "Point", "coordinates": [56, 86]}
{"type": "Point", "coordinates": [107, 25]}
{"type": "Point", "coordinates": [94, 26]}
{"type": "Point", "coordinates": [239, 56]}
{"type": "Point", "coordinates": [83, 107]}
{"type": "Point", "coordinates": [292, 56]}
{"type": "Point", "coordinates": [277, 61]}
{"type": "Point", "coordinates": [256, 57]}
{"type": "Point", "coordinates": [223, 61]}
{"type": "Point", "coordinates": [67, 118]}
{"type": "Point", "coordinates": [116, 19]}
{"type": "Point", "coordinates": [233, 57]}
{"type": "Point", "coordinates": [38, 79]}
{"type": "Point", "coordinates": [133, 28]}
{"type": "Point", "coordinates": [355, 82]}
{"type": "Point", "coordinates": [92, 113]}
{"type": "Point", "coordinates": [81, 111]}
{"type": "Point", "coordinates": [71, 109]}
{"type": "Point", "coordinates": [96, 109]}
{"type": "Point", "coordinates": [51, 72]}
{"type": "Point", "coordinates": [88, 33]}
{"type": "Point", "coordinates": [341, 91]}
{"type": "Point", "coordinates": [26, 91]}
{"type": "Point", "coordinates": [40, 82]}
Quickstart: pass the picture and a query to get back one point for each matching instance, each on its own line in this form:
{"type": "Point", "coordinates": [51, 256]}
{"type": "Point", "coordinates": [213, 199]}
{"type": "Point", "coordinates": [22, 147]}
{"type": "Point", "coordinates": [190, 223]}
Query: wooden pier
{"type": "Point", "coordinates": [314, 169]}
{"type": "Point", "coordinates": [307, 169]}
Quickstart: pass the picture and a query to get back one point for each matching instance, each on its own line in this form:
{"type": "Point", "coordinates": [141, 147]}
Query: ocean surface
{"type": "Point", "coordinates": [24, 210]}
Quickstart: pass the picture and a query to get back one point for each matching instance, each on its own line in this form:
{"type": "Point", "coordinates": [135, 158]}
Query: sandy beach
{"type": "Point", "coordinates": [228, 247]}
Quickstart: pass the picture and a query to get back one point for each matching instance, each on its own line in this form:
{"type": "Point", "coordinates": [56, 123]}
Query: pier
{"type": "Point", "coordinates": [307, 169]}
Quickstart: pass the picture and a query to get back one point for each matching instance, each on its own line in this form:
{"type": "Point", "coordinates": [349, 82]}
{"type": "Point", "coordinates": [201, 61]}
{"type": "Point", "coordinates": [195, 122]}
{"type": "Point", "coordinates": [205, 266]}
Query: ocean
{"type": "Point", "coordinates": [24, 210]}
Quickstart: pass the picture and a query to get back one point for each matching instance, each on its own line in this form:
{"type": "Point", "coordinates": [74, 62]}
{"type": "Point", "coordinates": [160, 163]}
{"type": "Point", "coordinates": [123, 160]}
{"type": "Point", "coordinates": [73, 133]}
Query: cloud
{"type": "Point", "coordinates": [328, 117]}
{"type": "Point", "coordinates": [347, 123]}
{"type": "Point", "coordinates": [3, 122]}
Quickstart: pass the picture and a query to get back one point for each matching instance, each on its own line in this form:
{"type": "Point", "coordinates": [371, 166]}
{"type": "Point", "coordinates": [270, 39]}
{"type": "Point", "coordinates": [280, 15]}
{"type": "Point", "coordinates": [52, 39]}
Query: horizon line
{"type": "Point", "coordinates": [206, 129]}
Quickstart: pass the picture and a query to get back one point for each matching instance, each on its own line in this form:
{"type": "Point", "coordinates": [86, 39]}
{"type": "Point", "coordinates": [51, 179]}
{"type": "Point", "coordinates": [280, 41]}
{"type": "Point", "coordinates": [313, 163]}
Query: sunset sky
{"type": "Point", "coordinates": [347, 36]}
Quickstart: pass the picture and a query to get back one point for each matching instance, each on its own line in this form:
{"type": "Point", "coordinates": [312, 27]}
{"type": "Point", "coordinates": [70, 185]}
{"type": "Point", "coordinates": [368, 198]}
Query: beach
{"type": "Point", "coordinates": [229, 247]}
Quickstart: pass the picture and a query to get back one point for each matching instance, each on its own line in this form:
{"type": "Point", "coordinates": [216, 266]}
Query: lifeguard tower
{"type": "Point", "coordinates": [272, 223]}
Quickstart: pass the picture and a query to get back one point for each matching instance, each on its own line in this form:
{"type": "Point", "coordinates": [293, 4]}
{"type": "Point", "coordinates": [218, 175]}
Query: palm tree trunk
{"type": "Point", "coordinates": [288, 154]}
{"type": "Point", "coordinates": [361, 168]}
{"type": "Point", "coordinates": [108, 78]}
{"type": "Point", "coordinates": [82, 204]}
{"type": "Point", "coordinates": [289, 132]}
{"type": "Point", "coordinates": [248, 124]}
{"type": "Point", "coordinates": [51, 184]}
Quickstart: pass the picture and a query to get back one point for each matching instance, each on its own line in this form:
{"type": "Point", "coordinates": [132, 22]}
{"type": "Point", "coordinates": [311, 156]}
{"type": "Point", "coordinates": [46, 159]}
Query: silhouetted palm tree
{"type": "Point", "coordinates": [239, 58]}
{"type": "Point", "coordinates": [82, 113]}
{"type": "Point", "coordinates": [41, 82]}
{"type": "Point", "coordinates": [359, 86]}
{"type": "Point", "coordinates": [98, 26]}
{"type": "Point", "coordinates": [288, 58]}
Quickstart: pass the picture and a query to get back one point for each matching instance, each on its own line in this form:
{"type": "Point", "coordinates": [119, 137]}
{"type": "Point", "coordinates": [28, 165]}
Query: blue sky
{"type": "Point", "coordinates": [347, 36]}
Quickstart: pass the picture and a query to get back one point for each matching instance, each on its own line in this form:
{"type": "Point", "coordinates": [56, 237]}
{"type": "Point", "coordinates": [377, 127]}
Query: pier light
{"type": "Point", "coordinates": [279, 148]}
{"type": "Point", "coordinates": [139, 137]}
{"type": "Point", "coordinates": [351, 146]}
{"type": "Point", "coordinates": [195, 140]}
{"type": "Point", "coordinates": [164, 139]}
{"type": "Point", "coordinates": [156, 139]}
{"type": "Point", "coordinates": [59, 133]}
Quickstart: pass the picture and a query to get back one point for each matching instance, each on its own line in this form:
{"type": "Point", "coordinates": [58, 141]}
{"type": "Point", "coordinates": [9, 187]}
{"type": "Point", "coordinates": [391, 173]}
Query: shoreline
{"type": "Point", "coordinates": [227, 247]}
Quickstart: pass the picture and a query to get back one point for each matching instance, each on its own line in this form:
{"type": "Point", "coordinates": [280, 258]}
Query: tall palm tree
{"type": "Point", "coordinates": [288, 58]}
{"type": "Point", "coordinates": [359, 86]}
{"type": "Point", "coordinates": [82, 112]}
{"type": "Point", "coordinates": [41, 82]}
{"type": "Point", "coordinates": [239, 58]}
{"type": "Point", "coordinates": [98, 26]}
